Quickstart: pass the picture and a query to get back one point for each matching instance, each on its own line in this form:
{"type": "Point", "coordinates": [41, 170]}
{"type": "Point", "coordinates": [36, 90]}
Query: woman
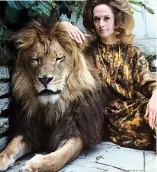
{"type": "Point", "coordinates": [131, 117]}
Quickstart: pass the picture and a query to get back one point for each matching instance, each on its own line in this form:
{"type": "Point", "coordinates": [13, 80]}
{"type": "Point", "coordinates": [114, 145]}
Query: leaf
{"type": "Point", "coordinates": [27, 4]}
{"type": "Point", "coordinates": [40, 8]}
{"type": "Point", "coordinates": [18, 5]}
{"type": "Point", "coordinates": [141, 4]}
{"type": "Point", "coordinates": [34, 11]}
{"type": "Point", "coordinates": [52, 3]}
{"type": "Point", "coordinates": [77, 16]}
{"type": "Point", "coordinates": [1, 32]}
{"type": "Point", "coordinates": [14, 4]}
{"type": "Point", "coordinates": [12, 14]}
{"type": "Point", "coordinates": [134, 2]}
{"type": "Point", "coordinates": [151, 11]}
{"type": "Point", "coordinates": [77, 6]}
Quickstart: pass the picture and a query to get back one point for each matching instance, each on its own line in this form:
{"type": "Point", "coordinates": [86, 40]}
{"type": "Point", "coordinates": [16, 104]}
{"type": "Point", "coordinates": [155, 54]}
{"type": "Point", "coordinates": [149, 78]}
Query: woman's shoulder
{"type": "Point", "coordinates": [133, 52]}
{"type": "Point", "coordinates": [92, 46]}
{"type": "Point", "coordinates": [131, 48]}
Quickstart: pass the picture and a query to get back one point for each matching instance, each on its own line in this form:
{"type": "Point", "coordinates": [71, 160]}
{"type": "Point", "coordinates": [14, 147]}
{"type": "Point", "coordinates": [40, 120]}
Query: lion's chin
{"type": "Point", "coordinates": [49, 96]}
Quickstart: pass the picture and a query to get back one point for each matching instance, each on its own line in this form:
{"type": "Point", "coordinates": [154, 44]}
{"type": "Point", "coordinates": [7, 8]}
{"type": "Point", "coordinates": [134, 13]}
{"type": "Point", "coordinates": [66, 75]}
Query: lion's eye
{"type": "Point", "coordinates": [59, 59]}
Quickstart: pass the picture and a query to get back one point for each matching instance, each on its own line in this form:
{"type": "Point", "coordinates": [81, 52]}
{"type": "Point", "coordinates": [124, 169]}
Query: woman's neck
{"type": "Point", "coordinates": [109, 40]}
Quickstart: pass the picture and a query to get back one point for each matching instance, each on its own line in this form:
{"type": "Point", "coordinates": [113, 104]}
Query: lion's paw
{"type": "Point", "coordinates": [5, 162]}
{"type": "Point", "coordinates": [25, 169]}
{"type": "Point", "coordinates": [33, 164]}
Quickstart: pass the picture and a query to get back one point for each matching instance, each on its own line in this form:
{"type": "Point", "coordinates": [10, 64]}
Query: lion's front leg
{"type": "Point", "coordinates": [56, 160]}
{"type": "Point", "coordinates": [14, 150]}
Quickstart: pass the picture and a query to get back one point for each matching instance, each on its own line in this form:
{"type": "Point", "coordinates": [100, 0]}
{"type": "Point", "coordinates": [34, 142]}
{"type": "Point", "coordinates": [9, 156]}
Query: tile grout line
{"type": "Point", "coordinates": [144, 159]}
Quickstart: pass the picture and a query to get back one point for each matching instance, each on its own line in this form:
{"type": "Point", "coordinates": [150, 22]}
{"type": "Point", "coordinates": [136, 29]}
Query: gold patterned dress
{"type": "Point", "coordinates": [125, 71]}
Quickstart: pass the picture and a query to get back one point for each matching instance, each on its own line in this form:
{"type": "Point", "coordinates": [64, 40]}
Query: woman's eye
{"type": "Point", "coordinates": [96, 20]}
{"type": "Point", "coordinates": [59, 59]}
{"type": "Point", "coordinates": [106, 18]}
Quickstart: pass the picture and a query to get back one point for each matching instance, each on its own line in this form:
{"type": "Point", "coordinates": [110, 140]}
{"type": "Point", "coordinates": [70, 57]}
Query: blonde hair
{"type": "Point", "coordinates": [123, 18]}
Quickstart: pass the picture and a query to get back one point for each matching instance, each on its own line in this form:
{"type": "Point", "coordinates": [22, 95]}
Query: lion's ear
{"type": "Point", "coordinates": [24, 38]}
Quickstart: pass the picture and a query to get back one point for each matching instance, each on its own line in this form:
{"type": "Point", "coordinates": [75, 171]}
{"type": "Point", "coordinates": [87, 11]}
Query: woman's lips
{"type": "Point", "coordinates": [104, 30]}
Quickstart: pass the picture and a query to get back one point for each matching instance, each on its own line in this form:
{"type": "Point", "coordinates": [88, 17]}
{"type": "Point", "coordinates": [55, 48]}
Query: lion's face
{"type": "Point", "coordinates": [50, 66]}
{"type": "Point", "coordinates": [49, 70]}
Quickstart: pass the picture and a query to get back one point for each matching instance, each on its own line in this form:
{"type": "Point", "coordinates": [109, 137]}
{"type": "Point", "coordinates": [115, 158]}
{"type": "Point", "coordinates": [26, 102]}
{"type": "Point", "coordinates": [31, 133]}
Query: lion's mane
{"type": "Point", "coordinates": [78, 112]}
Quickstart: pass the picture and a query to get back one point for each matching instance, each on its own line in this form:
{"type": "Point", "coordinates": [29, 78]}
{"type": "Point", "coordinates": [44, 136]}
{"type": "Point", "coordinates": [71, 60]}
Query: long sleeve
{"type": "Point", "coordinates": [144, 80]}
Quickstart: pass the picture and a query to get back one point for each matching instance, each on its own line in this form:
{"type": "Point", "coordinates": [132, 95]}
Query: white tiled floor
{"type": "Point", "coordinates": [149, 162]}
{"type": "Point", "coordinates": [108, 157]}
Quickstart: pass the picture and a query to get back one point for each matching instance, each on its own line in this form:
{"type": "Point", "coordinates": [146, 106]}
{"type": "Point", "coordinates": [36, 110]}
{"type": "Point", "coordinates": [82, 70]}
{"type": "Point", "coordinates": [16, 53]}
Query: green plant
{"type": "Point", "coordinates": [13, 10]}
{"type": "Point", "coordinates": [35, 8]}
{"type": "Point", "coordinates": [14, 15]}
{"type": "Point", "coordinates": [142, 4]}
{"type": "Point", "coordinates": [75, 6]}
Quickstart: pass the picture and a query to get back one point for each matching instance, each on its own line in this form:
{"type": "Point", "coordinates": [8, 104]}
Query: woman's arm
{"type": "Point", "coordinates": [145, 82]}
{"type": "Point", "coordinates": [74, 32]}
{"type": "Point", "coordinates": [151, 109]}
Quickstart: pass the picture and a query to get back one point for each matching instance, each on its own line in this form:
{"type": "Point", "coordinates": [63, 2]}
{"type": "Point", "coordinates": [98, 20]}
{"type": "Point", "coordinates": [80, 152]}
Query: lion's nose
{"type": "Point", "coordinates": [45, 80]}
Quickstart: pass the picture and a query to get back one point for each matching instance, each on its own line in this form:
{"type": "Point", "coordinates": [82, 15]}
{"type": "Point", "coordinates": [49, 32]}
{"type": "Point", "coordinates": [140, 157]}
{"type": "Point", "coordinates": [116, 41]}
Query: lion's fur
{"type": "Point", "coordinates": [36, 33]}
{"type": "Point", "coordinates": [78, 111]}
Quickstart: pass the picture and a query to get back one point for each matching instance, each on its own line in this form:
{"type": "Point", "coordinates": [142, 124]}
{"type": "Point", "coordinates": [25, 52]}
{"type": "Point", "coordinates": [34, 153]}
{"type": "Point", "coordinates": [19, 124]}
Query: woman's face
{"type": "Point", "coordinates": [103, 18]}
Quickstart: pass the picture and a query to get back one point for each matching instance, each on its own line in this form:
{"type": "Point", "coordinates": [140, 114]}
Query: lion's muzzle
{"type": "Point", "coordinates": [45, 80]}
{"type": "Point", "coordinates": [47, 92]}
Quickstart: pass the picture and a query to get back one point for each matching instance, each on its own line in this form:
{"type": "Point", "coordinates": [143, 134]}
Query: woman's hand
{"type": "Point", "coordinates": [74, 32]}
{"type": "Point", "coordinates": [151, 109]}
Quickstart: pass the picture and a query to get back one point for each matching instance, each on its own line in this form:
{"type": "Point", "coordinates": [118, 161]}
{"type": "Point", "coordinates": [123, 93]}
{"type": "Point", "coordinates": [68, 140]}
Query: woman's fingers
{"type": "Point", "coordinates": [74, 32]}
{"type": "Point", "coordinates": [76, 36]}
{"type": "Point", "coordinates": [81, 35]}
{"type": "Point", "coordinates": [147, 110]}
{"type": "Point", "coordinates": [152, 118]}
{"type": "Point", "coordinates": [71, 35]}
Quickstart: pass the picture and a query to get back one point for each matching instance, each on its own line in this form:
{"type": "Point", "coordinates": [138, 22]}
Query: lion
{"type": "Point", "coordinates": [56, 104]}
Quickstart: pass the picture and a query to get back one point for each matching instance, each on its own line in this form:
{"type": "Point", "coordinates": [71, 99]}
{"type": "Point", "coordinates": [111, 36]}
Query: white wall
{"type": "Point", "coordinates": [145, 27]}
{"type": "Point", "coordinates": [145, 23]}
